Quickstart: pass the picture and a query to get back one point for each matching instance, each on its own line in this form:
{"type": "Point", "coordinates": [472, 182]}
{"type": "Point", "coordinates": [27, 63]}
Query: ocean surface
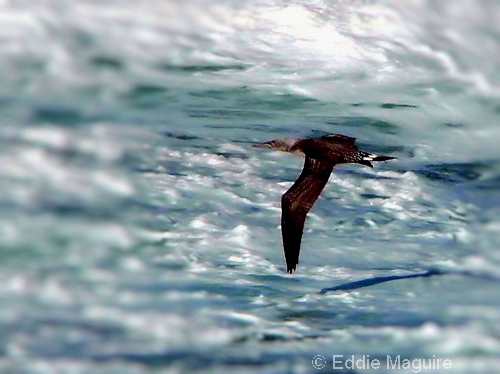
{"type": "Point", "coordinates": [140, 231]}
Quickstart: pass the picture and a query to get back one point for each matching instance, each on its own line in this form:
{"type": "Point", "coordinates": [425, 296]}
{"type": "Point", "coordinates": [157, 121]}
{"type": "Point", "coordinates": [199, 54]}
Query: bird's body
{"type": "Point", "coordinates": [321, 155]}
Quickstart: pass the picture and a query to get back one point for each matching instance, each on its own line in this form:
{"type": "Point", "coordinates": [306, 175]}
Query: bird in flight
{"type": "Point", "coordinates": [321, 155]}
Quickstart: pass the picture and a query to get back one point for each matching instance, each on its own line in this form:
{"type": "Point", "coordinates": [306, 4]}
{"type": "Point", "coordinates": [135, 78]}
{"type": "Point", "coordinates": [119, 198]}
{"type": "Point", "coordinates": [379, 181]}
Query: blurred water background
{"type": "Point", "coordinates": [139, 231]}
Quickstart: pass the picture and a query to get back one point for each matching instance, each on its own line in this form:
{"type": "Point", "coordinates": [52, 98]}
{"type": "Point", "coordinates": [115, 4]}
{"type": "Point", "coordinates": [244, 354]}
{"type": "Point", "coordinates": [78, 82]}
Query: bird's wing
{"type": "Point", "coordinates": [339, 138]}
{"type": "Point", "coordinates": [296, 203]}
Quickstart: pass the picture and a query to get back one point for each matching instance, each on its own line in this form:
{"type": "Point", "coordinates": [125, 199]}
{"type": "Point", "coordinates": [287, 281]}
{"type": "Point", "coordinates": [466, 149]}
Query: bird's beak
{"type": "Point", "coordinates": [262, 145]}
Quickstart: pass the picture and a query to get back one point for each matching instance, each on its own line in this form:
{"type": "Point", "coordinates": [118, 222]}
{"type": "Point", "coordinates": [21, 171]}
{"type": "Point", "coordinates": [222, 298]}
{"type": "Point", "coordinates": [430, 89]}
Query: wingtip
{"type": "Point", "coordinates": [291, 268]}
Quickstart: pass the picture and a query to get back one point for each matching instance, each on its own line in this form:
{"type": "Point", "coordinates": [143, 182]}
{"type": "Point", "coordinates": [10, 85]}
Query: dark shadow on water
{"type": "Point", "coordinates": [387, 278]}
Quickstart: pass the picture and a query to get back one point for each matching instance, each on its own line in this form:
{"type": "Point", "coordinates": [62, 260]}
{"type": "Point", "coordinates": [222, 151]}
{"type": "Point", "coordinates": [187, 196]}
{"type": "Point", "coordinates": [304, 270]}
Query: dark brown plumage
{"type": "Point", "coordinates": [321, 155]}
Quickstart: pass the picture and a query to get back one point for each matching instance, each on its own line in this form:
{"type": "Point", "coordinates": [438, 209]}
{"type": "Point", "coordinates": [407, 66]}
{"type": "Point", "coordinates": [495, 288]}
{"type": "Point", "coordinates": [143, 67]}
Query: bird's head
{"type": "Point", "coordinates": [282, 144]}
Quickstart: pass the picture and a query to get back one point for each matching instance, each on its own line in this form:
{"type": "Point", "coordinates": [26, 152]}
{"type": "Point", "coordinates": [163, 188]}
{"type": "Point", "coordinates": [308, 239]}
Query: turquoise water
{"type": "Point", "coordinates": [139, 230]}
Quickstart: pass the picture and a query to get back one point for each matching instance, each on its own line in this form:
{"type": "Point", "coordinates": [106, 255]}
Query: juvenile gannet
{"type": "Point", "coordinates": [321, 155]}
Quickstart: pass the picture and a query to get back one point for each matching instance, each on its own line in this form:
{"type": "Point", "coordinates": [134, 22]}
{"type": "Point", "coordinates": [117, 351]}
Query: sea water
{"type": "Point", "coordinates": [139, 230]}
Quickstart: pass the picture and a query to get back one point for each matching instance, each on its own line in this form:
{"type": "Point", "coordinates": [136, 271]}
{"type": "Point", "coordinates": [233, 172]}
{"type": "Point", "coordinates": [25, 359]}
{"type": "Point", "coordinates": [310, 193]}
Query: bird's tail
{"type": "Point", "coordinates": [366, 158]}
